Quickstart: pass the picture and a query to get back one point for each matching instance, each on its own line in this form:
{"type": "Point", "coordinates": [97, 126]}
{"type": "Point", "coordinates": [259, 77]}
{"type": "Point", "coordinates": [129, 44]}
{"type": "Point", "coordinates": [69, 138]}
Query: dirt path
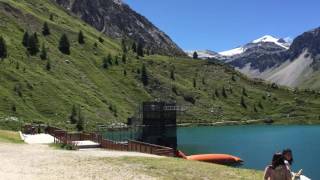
{"type": "Point", "coordinates": [40, 162]}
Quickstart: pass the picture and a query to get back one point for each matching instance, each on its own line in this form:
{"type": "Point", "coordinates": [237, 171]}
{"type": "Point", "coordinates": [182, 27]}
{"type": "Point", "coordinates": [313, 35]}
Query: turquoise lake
{"type": "Point", "coordinates": [256, 144]}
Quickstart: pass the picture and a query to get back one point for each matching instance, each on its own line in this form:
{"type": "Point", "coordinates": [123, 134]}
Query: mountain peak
{"type": "Point", "coordinates": [268, 38]}
{"type": "Point", "coordinates": [264, 39]}
{"type": "Point", "coordinates": [119, 2]}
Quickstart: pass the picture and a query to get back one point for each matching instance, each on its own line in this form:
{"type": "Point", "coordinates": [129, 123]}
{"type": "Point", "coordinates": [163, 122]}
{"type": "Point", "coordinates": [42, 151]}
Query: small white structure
{"type": "Point", "coordinates": [86, 144]}
{"type": "Point", "coordinates": [37, 138]}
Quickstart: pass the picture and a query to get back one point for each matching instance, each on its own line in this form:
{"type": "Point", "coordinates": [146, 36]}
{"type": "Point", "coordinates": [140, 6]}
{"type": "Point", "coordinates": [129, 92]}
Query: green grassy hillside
{"type": "Point", "coordinates": [30, 92]}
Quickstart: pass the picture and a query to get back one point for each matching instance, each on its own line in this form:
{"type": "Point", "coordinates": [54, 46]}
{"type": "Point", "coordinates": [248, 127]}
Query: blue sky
{"type": "Point", "coordinates": [224, 24]}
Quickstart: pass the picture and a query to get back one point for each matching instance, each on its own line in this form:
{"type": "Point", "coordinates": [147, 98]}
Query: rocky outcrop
{"type": "Point", "coordinates": [118, 20]}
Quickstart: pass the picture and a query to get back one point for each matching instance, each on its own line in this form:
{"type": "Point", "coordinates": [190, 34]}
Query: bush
{"type": "Point", "coordinates": [64, 44]}
{"type": "Point", "coordinates": [243, 103]}
{"type": "Point", "coordinates": [81, 38]}
{"type": "Point", "coordinates": [189, 98]}
{"type": "Point", "coordinates": [3, 48]}
{"type": "Point", "coordinates": [45, 29]}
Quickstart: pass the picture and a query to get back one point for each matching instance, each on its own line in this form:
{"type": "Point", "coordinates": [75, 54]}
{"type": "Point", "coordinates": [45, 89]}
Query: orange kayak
{"type": "Point", "coordinates": [216, 158]}
{"type": "Point", "coordinates": [224, 159]}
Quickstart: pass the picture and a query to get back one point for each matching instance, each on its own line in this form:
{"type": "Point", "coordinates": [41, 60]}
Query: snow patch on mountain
{"type": "Point", "coordinates": [268, 38]}
{"type": "Point", "coordinates": [233, 52]}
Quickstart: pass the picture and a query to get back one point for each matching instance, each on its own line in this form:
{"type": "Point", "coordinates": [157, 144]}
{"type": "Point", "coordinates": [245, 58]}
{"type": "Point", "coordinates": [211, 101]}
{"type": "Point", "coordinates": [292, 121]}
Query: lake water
{"type": "Point", "coordinates": [256, 144]}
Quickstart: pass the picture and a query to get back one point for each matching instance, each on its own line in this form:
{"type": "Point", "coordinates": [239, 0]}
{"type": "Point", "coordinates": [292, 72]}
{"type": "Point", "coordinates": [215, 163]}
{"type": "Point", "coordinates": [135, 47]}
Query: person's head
{"type": "Point", "coordinates": [277, 160]}
{"type": "Point", "coordinates": [287, 154]}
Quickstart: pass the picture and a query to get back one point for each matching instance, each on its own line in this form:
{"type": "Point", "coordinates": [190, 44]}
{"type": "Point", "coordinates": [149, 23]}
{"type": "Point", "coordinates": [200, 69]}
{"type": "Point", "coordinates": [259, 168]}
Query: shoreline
{"type": "Point", "coordinates": [252, 122]}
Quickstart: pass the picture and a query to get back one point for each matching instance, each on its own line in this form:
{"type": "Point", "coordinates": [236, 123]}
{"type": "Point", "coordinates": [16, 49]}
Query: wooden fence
{"type": "Point", "coordinates": [62, 136]}
{"type": "Point", "coordinates": [150, 148]}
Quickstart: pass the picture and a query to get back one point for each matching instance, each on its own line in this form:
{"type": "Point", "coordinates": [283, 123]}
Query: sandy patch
{"type": "Point", "coordinates": [40, 162]}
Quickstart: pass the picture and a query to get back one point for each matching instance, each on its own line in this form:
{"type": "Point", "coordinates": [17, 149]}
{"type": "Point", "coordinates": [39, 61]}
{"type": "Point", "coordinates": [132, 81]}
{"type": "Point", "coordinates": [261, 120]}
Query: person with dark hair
{"type": "Point", "coordinates": [288, 160]}
{"type": "Point", "coordinates": [277, 170]}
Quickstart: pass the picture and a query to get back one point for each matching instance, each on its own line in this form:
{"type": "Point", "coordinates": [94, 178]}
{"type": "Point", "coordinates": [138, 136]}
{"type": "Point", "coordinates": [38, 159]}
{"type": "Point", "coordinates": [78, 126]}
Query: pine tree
{"type": "Point", "coordinates": [101, 40]}
{"type": "Point", "coordinates": [204, 81]}
{"type": "Point", "coordinates": [124, 58]}
{"type": "Point", "coordinates": [244, 92]}
{"type": "Point", "coordinates": [33, 44]}
{"type": "Point", "coordinates": [51, 17]}
{"type": "Point", "coordinates": [73, 116]}
{"type": "Point", "coordinates": [80, 123]}
{"type": "Point", "coordinates": [45, 29]}
{"type": "Point", "coordinates": [224, 93]}
{"type": "Point", "coordinates": [81, 38]}
{"type": "Point", "coordinates": [195, 55]}
{"type": "Point", "coordinates": [255, 108]}
{"type": "Point", "coordinates": [144, 75]}
{"type": "Point", "coordinates": [36, 39]}
{"type": "Point", "coordinates": [216, 92]}
{"type": "Point", "coordinates": [134, 47]}
{"type": "Point", "coordinates": [3, 48]}
{"type": "Point", "coordinates": [48, 66]}
{"type": "Point", "coordinates": [64, 44]}
{"type": "Point", "coordinates": [109, 58]}
{"type": "Point", "coordinates": [106, 62]}
{"type": "Point", "coordinates": [18, 66]}
{"type": "Point", "coordinates": [260, 105]}
{"type": "Point", "coordinates": [14, 108]}
{"type": "Point", "coordinates": [172, 76]}
{"type": "Point", "coordinates": [116, 61]}
{"type": "Point", "coordinates": [25, 39]}
{"type": "Point", "coordinates": [124, 46]}
{"type": "Point", "coordinates": [243, 103]}
{"type": "Point", "coordinates": [43, 53]}
{"type": "Point", "coordinates": [140, 49]}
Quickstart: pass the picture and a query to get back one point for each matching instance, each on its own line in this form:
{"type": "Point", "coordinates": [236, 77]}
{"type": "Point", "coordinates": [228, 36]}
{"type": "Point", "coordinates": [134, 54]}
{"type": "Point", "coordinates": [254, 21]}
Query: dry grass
{"type": "Point", "coordinates": [170, 168]}
{"type": "Point", "coordinates": [10, 137]}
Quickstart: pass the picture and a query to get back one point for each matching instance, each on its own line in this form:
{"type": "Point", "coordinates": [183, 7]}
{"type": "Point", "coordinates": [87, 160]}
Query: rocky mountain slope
{"type": "Point", "coordinates": [116, 19]}
{"type": "Point", "coordinates": [258, 56]}
{"type": "Point", "coordinates": [275, 60]}
{"type": "Point", "coordinates": [297, 66]}
{"type": "Point", "coordinates": [46, 90]}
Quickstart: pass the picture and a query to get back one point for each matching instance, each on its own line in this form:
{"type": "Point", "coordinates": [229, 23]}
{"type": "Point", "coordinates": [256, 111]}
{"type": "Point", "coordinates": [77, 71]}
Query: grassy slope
{"type": "Point", "coordinates": [170, 168]}
{"type": "Point", "coordinates": [49, 96]}
{"type": "Point", "coordinates": [10, 137]}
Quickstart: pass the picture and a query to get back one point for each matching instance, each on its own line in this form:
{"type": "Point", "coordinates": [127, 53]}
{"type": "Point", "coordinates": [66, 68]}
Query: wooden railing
{"type": "Point", "coordinates": [62, 136]}
{"type": "Point", "coordinates": [150, 148]}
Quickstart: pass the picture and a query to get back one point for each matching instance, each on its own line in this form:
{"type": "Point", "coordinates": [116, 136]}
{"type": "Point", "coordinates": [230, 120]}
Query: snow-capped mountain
{"type": "Point", "coordinates": [270, 40]}
{"type": "Point", "coordinates": [275, 60]}
{"type": "Point", "coordinates": [295, 64]}
{"type": "Point", "coordinates": [266, 43]}
{"type": "Point", "coordinates": [205, 54]}
{"type": "Point", "coordinates": [257, 53]}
